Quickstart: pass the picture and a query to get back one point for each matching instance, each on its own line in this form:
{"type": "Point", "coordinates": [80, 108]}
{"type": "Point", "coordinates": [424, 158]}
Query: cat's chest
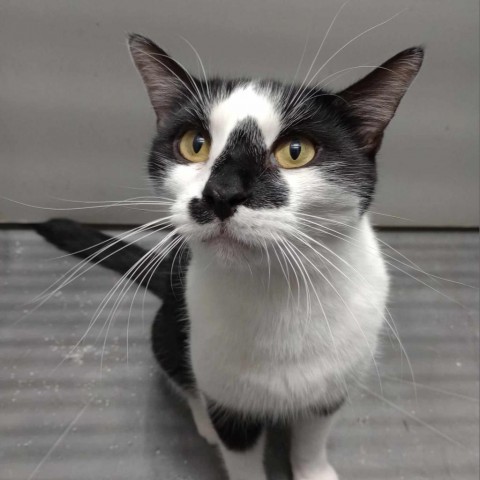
{"type": "Point", "coordinates": [255, 347]}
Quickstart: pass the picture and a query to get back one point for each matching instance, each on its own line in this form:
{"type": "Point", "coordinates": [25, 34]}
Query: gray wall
{"type": "Point", "coordinates": [75, 122]}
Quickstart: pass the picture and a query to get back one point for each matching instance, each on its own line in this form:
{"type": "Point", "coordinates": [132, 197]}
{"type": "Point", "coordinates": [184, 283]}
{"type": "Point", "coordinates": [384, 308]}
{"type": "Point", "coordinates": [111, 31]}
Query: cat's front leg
{"type": "Point", "coordinates": [201, 418]}
{"type": "Point", "coordinates": [309, 448]}
{"type": "Point", "coordinates": [242, 443]}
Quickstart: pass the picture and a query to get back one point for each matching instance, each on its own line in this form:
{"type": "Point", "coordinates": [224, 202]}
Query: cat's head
{"type": "Point", "coordinates": [254, 164]}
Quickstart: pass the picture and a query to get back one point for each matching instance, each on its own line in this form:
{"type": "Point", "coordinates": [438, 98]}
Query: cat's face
{"type": "Point", "coordinates": [263, 159]}
{"type": "Point", "coordinates": [256, 165]}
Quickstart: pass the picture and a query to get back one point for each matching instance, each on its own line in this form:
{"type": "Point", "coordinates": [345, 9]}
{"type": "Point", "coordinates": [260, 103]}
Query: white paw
{"type": "Point", "coordinates": [205, 429]}
{"type": "Point", "coordinates": [326, 473]}
{"type": "Point", "coordinates": [202, 421]}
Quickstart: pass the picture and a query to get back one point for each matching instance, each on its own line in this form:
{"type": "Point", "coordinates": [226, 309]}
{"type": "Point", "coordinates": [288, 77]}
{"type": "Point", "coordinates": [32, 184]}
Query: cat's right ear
{"type": "Point", "coordinates": [164, 78]}
{"type": "Point", "coordinates": [373, 100]}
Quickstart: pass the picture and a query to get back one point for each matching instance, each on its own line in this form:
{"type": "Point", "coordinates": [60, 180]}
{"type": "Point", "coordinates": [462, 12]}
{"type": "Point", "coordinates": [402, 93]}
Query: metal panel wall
{"type": "Point", "coordinates": [75, 122]}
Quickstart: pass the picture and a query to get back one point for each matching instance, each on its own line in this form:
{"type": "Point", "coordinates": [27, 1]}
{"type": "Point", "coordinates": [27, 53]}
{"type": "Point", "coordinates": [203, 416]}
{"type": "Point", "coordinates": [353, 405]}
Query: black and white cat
{"type": "Point", "coordinates": [276, 309]}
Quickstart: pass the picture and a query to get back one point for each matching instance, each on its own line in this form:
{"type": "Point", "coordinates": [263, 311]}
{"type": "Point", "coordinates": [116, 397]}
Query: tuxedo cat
{"type": "Point", "coordinates": [273, 307]}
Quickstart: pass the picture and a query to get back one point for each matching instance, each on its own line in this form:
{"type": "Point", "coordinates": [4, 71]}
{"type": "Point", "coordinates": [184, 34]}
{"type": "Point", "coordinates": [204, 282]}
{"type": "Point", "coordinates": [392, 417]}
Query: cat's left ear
{"type": "Point", "coordinates": [373, 100]}
{"type": "Point", "coordinates": [164, 78]}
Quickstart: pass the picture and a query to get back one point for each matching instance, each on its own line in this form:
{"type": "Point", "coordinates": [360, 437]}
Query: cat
{"type": "Point", "coordinates": [273, 306]}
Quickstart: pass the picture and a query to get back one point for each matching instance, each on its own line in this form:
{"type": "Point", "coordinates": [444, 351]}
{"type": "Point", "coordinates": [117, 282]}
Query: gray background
{"type": "Point", "coordinates": [75, 122]}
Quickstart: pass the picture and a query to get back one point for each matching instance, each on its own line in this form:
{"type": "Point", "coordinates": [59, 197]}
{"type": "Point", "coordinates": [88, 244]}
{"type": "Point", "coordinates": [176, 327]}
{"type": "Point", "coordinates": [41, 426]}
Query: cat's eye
{"type": "Point", "coordinates": [194, 146]}
{"type": "Point", "coordinates": [294, 152]}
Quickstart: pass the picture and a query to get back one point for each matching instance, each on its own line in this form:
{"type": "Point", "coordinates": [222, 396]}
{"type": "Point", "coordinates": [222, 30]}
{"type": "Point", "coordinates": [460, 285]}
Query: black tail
{"type": "Point", "coordinates": [82, 241]}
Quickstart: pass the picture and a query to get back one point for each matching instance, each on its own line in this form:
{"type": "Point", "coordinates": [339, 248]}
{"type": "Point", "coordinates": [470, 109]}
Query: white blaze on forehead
{"type": "Point", "coordinates": [244, 101]}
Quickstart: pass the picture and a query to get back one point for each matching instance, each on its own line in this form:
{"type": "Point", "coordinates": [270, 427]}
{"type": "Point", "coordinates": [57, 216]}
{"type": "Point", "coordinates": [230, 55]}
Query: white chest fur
{"type": "Point", "coordinates": [261, 345]}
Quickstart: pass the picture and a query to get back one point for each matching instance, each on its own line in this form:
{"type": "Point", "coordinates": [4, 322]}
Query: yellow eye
{"type": "Point", "coordinates": [294, 153]}
{"type": "Point", "coordinates": [194, 146]}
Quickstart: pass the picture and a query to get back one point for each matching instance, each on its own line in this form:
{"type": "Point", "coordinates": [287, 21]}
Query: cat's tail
{"type": "Point", "coordinates": [83, 242]}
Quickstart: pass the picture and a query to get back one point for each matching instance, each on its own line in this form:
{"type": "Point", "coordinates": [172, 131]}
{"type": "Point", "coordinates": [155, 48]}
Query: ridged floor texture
{"type": "Point", "coordinates": [101, 410]}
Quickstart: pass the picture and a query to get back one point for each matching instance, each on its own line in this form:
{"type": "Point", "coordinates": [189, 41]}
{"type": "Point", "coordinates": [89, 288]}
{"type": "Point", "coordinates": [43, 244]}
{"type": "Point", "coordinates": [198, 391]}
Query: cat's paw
{"type": "Point", "coordinates": [206, 431]}
{"type": "Point", "coordinates": [202, 421]}
{"type": "Point", "coordinates": [326, 473]}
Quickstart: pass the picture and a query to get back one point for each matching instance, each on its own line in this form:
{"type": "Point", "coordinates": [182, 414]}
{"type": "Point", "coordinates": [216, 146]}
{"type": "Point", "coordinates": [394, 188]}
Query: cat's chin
{"type": "Point", "coordinates": [230, 251]}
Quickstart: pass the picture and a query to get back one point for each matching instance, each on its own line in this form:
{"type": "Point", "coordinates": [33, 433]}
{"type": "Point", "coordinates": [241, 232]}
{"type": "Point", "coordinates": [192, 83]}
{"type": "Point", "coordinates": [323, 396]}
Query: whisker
{"type": "Point", "coordinates": [299, 264]}
{"type": "Point", "coordinates": [352, 40]}
{"type": "Point", "coordinates": [89, 207]}
{"type": "Point", "coordinates": [303, 86]}
{"type": "Point", "coordinates": [111, 240]}
{"type": "Point", "coordinates": [139, 266]}
{"type": "Point", "coordinates": [392, 216]}
{"type": "Point", "coordinates": [60, 438]}
{"type": "Point", "coordinates": [362, 277]}
{"type": "Point", "coordinates": [293, 270]}
{"type": "Point", "coordinates": [201, 66]}
{"type": "Point", "coordinates": [142, 268]}
{"type": "Point", "coordinates": [151, 271]}
{"type": "Point", "coordinates": [325, 317]}
{"type": "Point", "coordinates": [194, 96]}
{"type": "Point", "coordinates": [307, 40]}
{"type": "Point", "coordinates": [315, 92]}
{"type": "Point", "coordinates": [348, 309]}
{"type": "Point", "coordinates": [76, 271]}
{"type": "Point", "coordinates": [102, 306]}
{"type": "Point", "coordinates": [265, 248]}
{"type": "Point", "coordinates": [429, 286]}
{"type": "Point", "coordinates": [432, 389]}
{"type": "Point", "coordinates": [73, 273]}
{"type": "Point", "coordinates": [412, 265]}
{"type": "Point", "coordinates": [131, 275]}
{"type": "Point", "coordinates": [286, 276]}
{"type": "Point", "coordinates": [146, 198]}
{"type": "Point", "coordinates": [416, 419]}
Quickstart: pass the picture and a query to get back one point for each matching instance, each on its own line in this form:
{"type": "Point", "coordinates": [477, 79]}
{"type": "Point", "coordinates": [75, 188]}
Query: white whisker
{"type": "Point", "coordinates": [349, 310]}
{"type": "Point", "coordinates": [60, 438]}
{"type": "Point", "coordinates": [363, 279]}
{"type": "Point", "coordinates": [416, 419]}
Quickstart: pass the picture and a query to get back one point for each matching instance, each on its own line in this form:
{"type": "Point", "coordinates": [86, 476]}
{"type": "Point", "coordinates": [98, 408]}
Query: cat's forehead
{"type": "Point", "coordinates": [246, 101]}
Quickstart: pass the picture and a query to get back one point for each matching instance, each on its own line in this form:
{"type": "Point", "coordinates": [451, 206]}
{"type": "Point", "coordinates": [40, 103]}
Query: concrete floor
{"type": "Point", "coordinates": [98, 416]}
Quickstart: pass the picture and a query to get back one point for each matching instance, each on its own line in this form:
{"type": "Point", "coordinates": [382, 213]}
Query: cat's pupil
{"type": "Point", "coordinates": [198, 142]}
{"type": "Point", "coordinates": [295, 149]}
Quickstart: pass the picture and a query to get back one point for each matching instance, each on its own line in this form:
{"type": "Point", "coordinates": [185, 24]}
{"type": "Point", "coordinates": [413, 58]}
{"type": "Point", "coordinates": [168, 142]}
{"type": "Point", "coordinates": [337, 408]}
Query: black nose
{"type": "Point", "coordinates": [223, 200]}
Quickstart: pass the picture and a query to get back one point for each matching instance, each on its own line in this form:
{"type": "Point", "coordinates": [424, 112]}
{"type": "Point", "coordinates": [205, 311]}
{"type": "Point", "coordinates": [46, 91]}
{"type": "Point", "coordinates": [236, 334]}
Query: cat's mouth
{"type": "Point", "coordinates": [223, 236]}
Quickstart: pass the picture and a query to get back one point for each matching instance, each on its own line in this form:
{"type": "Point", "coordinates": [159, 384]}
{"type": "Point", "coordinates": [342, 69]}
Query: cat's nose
{"type": "Point", "coordinates": [223, 200]}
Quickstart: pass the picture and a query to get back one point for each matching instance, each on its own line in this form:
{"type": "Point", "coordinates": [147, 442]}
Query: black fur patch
{"type": "Point", "coordinates": [241, 176]}
{"type": "Point", "coordinates": [170, 330]}
{"type": "Point", "coordinates": [200, 211]}
{"type": "Point", "coordinates": [237, 432]}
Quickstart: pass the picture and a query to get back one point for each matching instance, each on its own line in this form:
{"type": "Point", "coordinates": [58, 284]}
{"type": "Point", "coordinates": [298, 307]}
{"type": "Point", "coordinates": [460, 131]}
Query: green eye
{"type": "Point", "coordinates": [194, 146]}
{"type": "Point", "coordinates": [294, 153]}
